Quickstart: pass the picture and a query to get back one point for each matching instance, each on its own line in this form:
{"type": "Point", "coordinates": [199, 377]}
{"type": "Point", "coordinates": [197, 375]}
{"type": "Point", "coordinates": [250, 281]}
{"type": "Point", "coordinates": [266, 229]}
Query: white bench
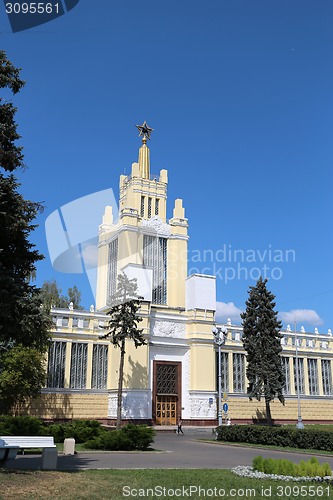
{"type": "Point", "coordinates": [15, 443]}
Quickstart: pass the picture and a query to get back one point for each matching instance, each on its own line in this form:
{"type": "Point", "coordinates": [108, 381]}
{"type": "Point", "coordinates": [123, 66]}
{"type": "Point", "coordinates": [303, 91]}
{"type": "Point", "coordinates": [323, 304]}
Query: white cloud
{"type": "Point", "coordinates": [90, 256]}
{"type": "Point", "coordinates": [225, 310]}
{"type": "Point", "coordinates": [301, 316]}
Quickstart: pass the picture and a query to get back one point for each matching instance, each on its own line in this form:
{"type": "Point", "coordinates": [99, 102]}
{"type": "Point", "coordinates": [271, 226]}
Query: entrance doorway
{"type": "Point", "coordinates": [166, 392]}
{"type": "Point", "coordinates": [166, 410]}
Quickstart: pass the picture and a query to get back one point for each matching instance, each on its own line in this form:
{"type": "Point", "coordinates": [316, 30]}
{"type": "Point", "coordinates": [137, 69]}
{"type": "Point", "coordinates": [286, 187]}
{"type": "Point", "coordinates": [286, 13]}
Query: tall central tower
{"type": "Point", "coordinates": [142, 240]}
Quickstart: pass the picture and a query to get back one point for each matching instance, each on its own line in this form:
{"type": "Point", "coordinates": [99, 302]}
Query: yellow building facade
{"type": "Point", "coordinates": [175, 374]}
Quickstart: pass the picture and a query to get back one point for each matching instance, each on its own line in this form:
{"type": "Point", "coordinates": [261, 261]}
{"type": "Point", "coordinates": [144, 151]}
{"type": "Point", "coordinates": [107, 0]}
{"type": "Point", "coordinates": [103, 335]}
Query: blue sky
{"type": "Point", "coordinates": [239, 94]}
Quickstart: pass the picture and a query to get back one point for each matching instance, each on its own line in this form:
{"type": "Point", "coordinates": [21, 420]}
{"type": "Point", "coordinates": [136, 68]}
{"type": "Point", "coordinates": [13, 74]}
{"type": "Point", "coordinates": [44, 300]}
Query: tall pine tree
{"type": "Point", "coordinates": [23, 324]}
{"type": "Point", "coordinates": [262, 343]}
{"type": "Point", "coordinates": [123, 326]}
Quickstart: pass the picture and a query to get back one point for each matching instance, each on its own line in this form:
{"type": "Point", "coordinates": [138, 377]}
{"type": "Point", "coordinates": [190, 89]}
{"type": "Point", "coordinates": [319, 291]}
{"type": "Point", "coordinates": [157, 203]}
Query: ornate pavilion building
{"type": "Point", "coordinates": [175, 374]}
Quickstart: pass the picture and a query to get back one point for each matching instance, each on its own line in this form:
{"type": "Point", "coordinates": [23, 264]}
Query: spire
{"type": "Point", "coordinates": [144, 153]}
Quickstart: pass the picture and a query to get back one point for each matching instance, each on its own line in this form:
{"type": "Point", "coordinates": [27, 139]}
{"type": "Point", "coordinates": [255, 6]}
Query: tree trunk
{"type": "Point", "coordinates": [268, 412]}
{"type": "Point", "coordinates": [120, 384]}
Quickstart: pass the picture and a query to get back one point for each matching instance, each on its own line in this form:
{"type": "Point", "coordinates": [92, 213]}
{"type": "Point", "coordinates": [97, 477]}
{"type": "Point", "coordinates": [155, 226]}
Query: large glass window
{"type": "Point", "coordinates": [155, 256]}
{"type": "Point", "coordinates": [99, 367]}
{"type": "Point", "coordinates": [313, 377]}
{"type": "Point", "coordinates": [300, 365]}
{"type": "Point", "coordinates": [239, 372]}
{"type": "Point", "coordinates": [326, 371]}
{"type": "Point", "coordinates": [286, 369]}
{"type": "Point", "coordinates": [224, 371]}
{"type": "Point", "coordinates": [112, 269]}
{"type": "Point", "coordinates": [79, 365]}
{"type": "Point", "coordinates": [56, 365]}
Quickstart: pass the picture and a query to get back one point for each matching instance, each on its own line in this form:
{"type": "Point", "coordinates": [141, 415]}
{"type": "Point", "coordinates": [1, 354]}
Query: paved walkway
{"type": "Point", "coordinates": [183, 451]}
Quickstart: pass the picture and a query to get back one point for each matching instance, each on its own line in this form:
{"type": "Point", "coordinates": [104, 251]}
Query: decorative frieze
{"type": "Point", "coordinates": [170, 329]}
{"type": "Point", "coordinates": [203, 406]}
{"type": "Point", "coordinates": [135, 405]}
{"type": "Point", "coordinates": [157, 225]}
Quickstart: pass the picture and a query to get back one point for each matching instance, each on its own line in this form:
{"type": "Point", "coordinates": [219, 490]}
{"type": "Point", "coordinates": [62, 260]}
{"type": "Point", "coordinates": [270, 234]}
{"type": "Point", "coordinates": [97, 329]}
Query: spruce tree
{"type": "Point", "coordinates": [123, 326]}
{"type": "Point", "coordinates": [262, 343]}
{"type": "Point", "coordinates": [23, 324]}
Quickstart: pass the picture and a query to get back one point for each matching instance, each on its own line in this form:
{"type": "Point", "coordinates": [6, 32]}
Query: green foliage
{"type": "Point", "coordinates": [21, 426]}
{"type": "Point", "coordinates": [277, 436]}
{"type": "Point", "coordinates": [74, 296]}
{"type": "Point", "coordinates": [262, 343]}
{"type": "Point", "coordinates": [80, 430]}
{"type": "Point", "coordinates": [123, 325]}
{"type": "Point", "coordinates": [23, 324]}
{"type": "Point", "coordinates": [124, 319]}
{"type": "Point", "coordinates": [140, 436]}
{"type": "Point", "coordinates": [129, 437]}
{"type": "Point", "coordinates": [22, 375]}
{"type": "Point", "coordinates": [51, 296]}
{"type": "Point", "coordinates": [11, 156]}
{"type": "Point", "coordinates": [311, 468]}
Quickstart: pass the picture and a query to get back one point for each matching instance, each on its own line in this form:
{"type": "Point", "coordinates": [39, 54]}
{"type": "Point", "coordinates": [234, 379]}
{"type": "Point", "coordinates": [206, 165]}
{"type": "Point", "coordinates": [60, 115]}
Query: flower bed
{"type": "Point", "coordinates": [247, 471]}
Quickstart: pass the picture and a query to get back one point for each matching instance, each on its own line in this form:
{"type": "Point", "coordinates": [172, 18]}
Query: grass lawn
{"type": "Point", "coordinates": [270, 447]}
{"type": "Point", "coordinates": [120, 484]}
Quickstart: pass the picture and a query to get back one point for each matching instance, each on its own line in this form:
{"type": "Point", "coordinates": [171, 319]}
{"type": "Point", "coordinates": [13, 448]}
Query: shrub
{"type": "Point", "coordinates": [21, 426]}
{"type": "Point", "coordinates": [311, 468]}
{"type": "Point", "coordinates": [130, 437]}
{"type": "Point", "coordinates": [140, 436]}
{"type": "Point", "coordinates": [80, 430]}
{"type": "Point", "coordinates": [277, 436]}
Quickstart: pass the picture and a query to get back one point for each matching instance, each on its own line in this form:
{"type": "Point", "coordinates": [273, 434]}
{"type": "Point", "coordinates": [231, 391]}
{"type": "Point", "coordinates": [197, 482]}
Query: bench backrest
{"type": "Point", "coordinates": [28, 441]}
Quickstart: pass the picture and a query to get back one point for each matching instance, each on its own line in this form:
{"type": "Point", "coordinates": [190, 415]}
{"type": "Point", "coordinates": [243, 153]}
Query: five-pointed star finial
{"type": "Point", "coordinates": [144, 130]}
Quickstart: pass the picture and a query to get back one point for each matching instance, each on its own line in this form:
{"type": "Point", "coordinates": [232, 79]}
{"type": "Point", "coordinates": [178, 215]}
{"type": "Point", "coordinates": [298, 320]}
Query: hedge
{"type": "Point", "coordinates": [277, 436]}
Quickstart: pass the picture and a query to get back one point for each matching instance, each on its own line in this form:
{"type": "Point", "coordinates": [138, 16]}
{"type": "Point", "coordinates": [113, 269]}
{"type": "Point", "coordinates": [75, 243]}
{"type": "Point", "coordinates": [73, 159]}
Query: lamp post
{"type": "Point", "coordinates": [219, 339]}
{"type": "Point", "coordinates": [299, 424]}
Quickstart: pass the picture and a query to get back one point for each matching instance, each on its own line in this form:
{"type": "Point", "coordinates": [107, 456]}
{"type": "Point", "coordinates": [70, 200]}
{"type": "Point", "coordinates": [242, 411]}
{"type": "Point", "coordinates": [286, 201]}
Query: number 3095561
{"type": "Point", "coordinates": [32, 8]}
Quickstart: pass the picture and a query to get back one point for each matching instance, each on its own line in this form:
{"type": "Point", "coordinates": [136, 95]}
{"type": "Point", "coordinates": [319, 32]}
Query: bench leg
{"type": "Point", "coordinates": [49, 458]}
{"type": "Point", "coordinates": [5, 457]}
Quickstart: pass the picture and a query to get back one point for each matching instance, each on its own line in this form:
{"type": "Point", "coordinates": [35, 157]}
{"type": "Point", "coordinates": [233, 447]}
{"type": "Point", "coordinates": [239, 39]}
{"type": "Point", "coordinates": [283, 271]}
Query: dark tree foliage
{"type": "Point", "coordinates": [11, 156]}
{"type": "Point", "coordinates": [123, 325]}
{"type": "Point", "coordinates": [51, 296]}
{"type": "Point", "coordinates": [74, 296]}
{"type": "Point", "coordinates": [262, 343]}
{"type": "Point", "coordinates": [23, 323]}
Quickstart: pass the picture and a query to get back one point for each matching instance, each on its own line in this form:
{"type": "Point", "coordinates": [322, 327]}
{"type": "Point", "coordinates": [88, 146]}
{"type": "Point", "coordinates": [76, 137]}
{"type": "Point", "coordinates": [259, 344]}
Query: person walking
{"type": "Point", "coordinates": [179, 429]}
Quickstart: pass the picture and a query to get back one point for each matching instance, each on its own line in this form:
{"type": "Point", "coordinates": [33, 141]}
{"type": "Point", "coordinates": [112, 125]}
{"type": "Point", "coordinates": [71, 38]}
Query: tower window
{"type": "Point", "coordinates": [157, 203]}
{"type": "Point", "coordinates": [155, 256]}
{"type": "Point", "coordinates": [142, 210]}
{"type": "Point", "coordinates": [112, 270]}
{"type": "Point", "coordinates": [149, 208]}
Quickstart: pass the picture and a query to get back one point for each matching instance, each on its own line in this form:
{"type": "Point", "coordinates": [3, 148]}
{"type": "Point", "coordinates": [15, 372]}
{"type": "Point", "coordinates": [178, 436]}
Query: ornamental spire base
{"type": "Point", "coordinates": [144, 153]}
